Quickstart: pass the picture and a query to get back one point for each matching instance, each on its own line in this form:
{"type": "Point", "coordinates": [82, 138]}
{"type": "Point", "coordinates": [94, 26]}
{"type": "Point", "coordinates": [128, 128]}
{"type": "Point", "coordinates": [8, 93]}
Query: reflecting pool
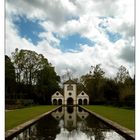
{"type": "Point", "coordinates": [69, 123]}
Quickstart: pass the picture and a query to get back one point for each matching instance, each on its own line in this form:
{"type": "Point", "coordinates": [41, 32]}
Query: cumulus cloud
{"type": "Point", "coordinates": [55, 11]}
{"type": "Point", "coordinates": [91, 20]}
{"type": "Point", "coordinates": [128, 54]}
{"type": "Point", "coordinates": [52, 40]}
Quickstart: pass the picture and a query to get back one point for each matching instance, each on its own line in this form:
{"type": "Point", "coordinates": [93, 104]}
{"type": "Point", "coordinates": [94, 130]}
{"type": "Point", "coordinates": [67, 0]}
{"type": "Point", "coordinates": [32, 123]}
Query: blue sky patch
{"type": "Point", "coordinates": [113, 37]}
{"type": "Point", "coordinates": [28, 29]}
{"type": "Point", "coordinates": [72, 42]}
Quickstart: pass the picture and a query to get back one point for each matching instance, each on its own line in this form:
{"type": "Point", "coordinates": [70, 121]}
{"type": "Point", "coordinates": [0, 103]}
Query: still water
{"type": "Point", "coordinates": [69, 123]}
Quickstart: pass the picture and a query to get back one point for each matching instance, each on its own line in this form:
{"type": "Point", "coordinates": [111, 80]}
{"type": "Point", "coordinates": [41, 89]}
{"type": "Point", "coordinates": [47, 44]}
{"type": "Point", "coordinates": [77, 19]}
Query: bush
{"type": "Point", "coordinates": [10, 101]}
{"type": "Point", "coordinates": [24, 102]}
{"type": "Point", "coordinates": [18, 103]}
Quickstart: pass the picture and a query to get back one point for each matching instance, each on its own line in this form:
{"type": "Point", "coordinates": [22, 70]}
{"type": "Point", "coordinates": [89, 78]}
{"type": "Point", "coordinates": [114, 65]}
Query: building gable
{"type": "Point", "coordinates": [82, 94]}
{"type": "Point", "coordinates": [57, 94]}
{"type": "Point", "coordinates": [69, 95]}
{"type": "Point", "coordinates": [70, 82]}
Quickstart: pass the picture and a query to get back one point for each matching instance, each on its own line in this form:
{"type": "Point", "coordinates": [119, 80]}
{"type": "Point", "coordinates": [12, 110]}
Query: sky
{"type": "Point", "coordinates": [74, 34]}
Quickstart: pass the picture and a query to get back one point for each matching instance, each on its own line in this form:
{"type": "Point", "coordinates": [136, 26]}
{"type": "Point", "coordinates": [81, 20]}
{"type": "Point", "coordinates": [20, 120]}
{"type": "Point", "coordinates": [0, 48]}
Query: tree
{"type": "Point", "coordinates": [47, 83]}
{"type": "Point", "coordinates": [35, 77]}
{"type": "Point", "coordinates": [27, 63]}
{"type": "Point", "coordinates": [122, 74]}
{"type": "Point", "coordinates": [98, 73]}
{"type": "Point", "coordinates": [111, 91]}
{"type": "Point", "coordinates": [94, 83]}
{"type": "Point", "coordinates": [127, 92]}
{"type": "Point", "coordinates": [9, 78]}
{"type": "Point", "coordinates": [17, 61]}
{"type": "Point", "coordinates": [126, 86]}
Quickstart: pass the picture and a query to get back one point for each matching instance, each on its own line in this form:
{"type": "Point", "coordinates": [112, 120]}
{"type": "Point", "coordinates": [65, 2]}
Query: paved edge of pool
{"type": "Point", "coordinates": [13, 132]}
{"type": "Point", "coordinates": [122, 130]}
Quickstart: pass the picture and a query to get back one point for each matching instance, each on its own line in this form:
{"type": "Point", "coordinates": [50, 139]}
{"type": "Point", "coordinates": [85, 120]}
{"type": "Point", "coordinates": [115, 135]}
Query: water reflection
{"type": "Point", "coordinates": [70, 115]}
{"type": "Point", "coordinates": [69, 123]}
{"type": "Point", "coordinates": [28, 134]}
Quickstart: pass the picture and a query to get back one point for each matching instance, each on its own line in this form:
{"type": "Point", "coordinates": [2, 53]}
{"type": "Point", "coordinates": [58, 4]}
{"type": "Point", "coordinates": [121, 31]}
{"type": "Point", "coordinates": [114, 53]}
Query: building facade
{"type": "Point", "coordinates": [70, 95]}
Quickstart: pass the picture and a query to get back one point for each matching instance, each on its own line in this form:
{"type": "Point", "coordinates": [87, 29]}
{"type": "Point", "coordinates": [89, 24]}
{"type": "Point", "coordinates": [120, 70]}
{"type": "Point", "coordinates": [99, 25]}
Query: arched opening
{"type": "Point", "coordinates": [79, 109]}
{"type": "Point", "coordinates": [69, 101]}
{"type": "Point", "coordinates": [85, 101]}
{"type": "Point", "coordinates": [60, 101]}
{"type": "Point", "coordinates": [80, 101]}
{"type": "Point", "coordinates": [54, 101]}
{"type": "Point", "coordinates": [70, 109]}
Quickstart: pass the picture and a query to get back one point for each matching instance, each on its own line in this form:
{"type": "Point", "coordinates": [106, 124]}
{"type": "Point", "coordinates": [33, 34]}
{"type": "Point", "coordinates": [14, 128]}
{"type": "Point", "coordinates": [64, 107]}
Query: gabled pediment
{"type": "Point", "coordinates": [57, 94]}
{"type": "Point", "coordinates": [70, 82]}
{"type": "Point", "coordinates": [82, 93]}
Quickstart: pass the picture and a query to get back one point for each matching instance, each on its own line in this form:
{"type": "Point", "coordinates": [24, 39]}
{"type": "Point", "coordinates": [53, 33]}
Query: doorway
{"type": "Point", "coordinates": [69, 101]}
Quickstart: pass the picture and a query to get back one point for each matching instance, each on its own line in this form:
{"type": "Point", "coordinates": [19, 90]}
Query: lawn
{"type": "Point", "coordinates": [19, 116]}
{"type": "Point", "coordinates": [124, 117]}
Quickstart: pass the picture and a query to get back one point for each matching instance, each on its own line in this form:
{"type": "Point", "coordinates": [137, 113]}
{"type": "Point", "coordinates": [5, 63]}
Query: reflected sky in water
{"type": "Point", "coordinates": [69, 123]}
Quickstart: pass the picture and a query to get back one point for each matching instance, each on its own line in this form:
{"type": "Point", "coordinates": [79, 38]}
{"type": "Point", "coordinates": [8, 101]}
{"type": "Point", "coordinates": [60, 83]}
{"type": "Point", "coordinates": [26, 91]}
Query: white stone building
{"type": "Point", "coordinates": [70, 95]}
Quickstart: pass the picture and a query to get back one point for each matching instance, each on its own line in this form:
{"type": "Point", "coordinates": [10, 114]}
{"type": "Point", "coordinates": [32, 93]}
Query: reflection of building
{"type": "Point", "coordinates": [58, 114]}
{"type": "Point", "coordinates": [70, 96]}
{"type": "Point", "coordinates": [70, 117]}
{"type": "Point", "coordinates": [82, 114]}
{"type": "Point", "coordinates": [70, 114]}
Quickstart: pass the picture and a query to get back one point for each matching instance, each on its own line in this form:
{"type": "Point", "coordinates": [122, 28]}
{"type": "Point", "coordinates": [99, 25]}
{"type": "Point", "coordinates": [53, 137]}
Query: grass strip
{"type": "Point", "coordinates": [16, 117]}
{"type": "Point", "coordinates": [124, 117]}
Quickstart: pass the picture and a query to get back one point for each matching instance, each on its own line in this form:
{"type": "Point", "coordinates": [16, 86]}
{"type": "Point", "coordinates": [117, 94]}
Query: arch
{"type": "Point", "coordinates": [79, 109]}
{"type": "Point", "coordinates": [54, 101]}
{"type": "Point", "coordinates": [85, 101]}
{"type": "Point", "coordinates": [70, 109]}
{"type": "Point", "coordinates": [69, 101]}
{"type": "Point", "coordinates": [60, 101]}
{"type": "Point", "coordinates": [80, 101]}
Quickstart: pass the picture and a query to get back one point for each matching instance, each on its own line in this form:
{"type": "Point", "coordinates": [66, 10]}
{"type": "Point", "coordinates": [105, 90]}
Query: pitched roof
{"type": "Point", "coordinates": [60, 94]}
{"type": "Point", "coordinates": [70, 82]}
{"type": "Point", "coordinates": [82, 92]}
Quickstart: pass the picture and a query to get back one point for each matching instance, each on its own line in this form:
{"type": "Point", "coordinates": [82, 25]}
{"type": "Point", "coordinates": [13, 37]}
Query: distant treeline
{"type": "Point", "coordinates": [29, 75]}
{"type": "Point", "coordinates": [118, 91]}
{"type": "Point", "coordinates": [30, 78]}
